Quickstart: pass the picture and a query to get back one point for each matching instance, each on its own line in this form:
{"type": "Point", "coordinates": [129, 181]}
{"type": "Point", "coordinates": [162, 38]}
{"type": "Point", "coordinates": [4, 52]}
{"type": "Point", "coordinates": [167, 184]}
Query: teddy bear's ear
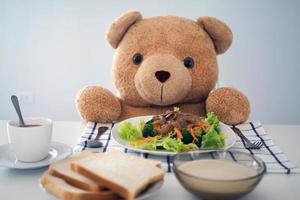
{"type": "Point", "coordinates": [219, 32]}
{"type": "Point", "coordinates": [118, 28]}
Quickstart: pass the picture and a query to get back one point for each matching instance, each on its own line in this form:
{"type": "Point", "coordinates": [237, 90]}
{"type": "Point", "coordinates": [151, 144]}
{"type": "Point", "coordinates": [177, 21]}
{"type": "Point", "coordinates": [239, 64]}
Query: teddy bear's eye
{"type": "Point", "coordinates": [137, 58]}
{"type": "Point", "coordinates": [188, 62]}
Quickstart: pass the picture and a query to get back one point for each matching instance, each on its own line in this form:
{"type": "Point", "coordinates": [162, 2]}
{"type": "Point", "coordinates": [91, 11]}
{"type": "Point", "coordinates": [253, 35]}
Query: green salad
{"type": "Point", "coordinates": [174, 131]}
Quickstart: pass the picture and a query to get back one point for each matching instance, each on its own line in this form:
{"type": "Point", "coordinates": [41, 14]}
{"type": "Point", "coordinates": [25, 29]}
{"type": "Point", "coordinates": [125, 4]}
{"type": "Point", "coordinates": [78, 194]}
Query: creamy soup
{"type": "Point", "coordinates": [217, 169]}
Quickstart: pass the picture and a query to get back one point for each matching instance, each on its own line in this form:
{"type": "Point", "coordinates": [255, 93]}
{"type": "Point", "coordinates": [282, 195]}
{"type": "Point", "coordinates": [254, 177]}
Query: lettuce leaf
{"type": "Point", "coordinates": [168, 144]}
{"type": "Point", "coordinates": [190, 147]}
{"type": "Point", "coordinates": [213, 120]}
{"type": "Point", "coordinates": [149, 145]}
{"type": "Point", "coordinates": [140, 126]}
{"type": "Point", "coordinates": [212, 139]}
{"type": "Point", "coordinates": [129, 132]}
{"type": "Point", "coordinates": [172, 144]}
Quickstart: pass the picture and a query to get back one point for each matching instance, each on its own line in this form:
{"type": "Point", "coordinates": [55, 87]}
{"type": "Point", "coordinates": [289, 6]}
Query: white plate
{"type": "Point", "coordinates": [150, 190]}
{"type": "Point", "coordinates": [58, 151]}
{"type": "Point", "coordinates": [230, 137]}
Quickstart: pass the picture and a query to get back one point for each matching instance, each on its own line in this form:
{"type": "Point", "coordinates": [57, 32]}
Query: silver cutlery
{"type": "Point", "coordinates": [15, 102]}
{"type": "Point", "coordinates": [95, 143]}
{"type": "Point", "coordinates": [248, 143]}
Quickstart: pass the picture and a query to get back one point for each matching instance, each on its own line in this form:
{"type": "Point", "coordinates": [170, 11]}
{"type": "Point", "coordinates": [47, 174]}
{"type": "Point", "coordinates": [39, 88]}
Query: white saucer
{"type": "Point", "coordinates": [58, 151]}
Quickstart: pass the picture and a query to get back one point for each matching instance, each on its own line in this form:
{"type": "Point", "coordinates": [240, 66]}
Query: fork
{"type": "Point", "coordinates": [248, 143]}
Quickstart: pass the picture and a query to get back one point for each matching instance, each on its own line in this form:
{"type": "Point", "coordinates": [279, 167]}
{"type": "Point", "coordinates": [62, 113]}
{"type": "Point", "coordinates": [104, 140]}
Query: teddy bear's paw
{"type": "Point", "coordinates": [230, 105]}
{"type": "Point", "coordinates": [97, 104]}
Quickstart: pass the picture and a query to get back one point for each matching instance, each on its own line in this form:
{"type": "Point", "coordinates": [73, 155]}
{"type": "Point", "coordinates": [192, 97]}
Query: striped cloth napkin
{"type": "Point", "coordinates": [275, 160]}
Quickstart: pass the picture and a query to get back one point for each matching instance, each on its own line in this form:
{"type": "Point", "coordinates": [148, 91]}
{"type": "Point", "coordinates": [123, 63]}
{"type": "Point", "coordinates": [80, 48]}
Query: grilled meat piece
{"type": "Point", "coordinates": [169, 120]}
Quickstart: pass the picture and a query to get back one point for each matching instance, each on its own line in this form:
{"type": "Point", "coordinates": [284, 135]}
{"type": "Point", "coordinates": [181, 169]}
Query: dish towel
{"type": "Point", "coordinates": [276, 161]}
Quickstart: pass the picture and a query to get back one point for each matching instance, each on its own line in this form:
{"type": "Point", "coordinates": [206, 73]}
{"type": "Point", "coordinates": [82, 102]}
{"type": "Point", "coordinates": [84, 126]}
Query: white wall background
{"type": "Point", "coordinates": [52, 48]}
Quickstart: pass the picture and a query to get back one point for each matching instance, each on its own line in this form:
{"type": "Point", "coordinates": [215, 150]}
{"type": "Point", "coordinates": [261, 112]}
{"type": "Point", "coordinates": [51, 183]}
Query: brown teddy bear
{"type": "Point", "coordinates": [162, 62]}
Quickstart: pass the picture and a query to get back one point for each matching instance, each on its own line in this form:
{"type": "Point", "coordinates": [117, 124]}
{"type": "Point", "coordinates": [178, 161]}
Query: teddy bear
{"type": "Point", "coordinates": [164, 62]}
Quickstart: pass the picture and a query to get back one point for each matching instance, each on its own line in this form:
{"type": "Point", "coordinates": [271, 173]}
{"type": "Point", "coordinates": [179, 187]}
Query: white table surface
{"type": "Point", "coordinates": [24, 184]}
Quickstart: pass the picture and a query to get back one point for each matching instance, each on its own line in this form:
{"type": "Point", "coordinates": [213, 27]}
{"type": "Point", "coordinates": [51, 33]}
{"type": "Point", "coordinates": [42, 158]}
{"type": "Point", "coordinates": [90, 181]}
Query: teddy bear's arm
{"type": "Point", "coordinates": [230, 105]}
{"type": "Point", "coordinates": [97, 104]}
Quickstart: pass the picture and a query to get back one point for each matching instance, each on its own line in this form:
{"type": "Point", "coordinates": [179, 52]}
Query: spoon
{"type": "Point", "coordinates": [95, 143]}
{"type": "Point", "coordinates": [15, 102]}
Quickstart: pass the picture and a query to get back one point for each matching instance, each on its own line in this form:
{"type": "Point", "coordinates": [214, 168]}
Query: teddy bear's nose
{"type": "Point", "coordinates": [162, 76]}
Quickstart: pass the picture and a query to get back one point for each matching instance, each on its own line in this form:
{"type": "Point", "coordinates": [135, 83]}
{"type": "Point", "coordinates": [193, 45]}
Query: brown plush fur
{"type": "Point", "coordinates": [164, 43]}
{"type": "Point", "coordinates": [153, 91]}
{"type": "Point", "coordinates": [230, 105]}
{"type": "Point", "coordinates": [130, 111]}
{"type": "Point", "coordinates": [119, 27]}
{"type": "Point", "coordinates": [222, 36]}
{"type": "Point", "coordinates": [93, 102]}
{"type": "Point", "coordinates": [169, 35]}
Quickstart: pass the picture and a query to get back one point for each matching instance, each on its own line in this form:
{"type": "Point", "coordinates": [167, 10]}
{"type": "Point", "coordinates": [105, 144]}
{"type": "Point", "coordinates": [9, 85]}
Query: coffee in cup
{"type": "Point", "coordinates": [32, 142]}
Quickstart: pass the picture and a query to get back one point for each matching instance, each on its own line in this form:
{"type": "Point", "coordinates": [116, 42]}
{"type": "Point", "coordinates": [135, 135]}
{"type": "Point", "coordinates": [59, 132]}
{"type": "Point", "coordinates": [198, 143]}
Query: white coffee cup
{"type": "Point", "coordinates": [32, 143]}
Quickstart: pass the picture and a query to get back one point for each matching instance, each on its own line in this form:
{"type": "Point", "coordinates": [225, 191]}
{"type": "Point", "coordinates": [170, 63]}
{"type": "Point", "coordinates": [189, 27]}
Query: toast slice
{"type": "Point", "coordinates": [115, 152]}
{"type": "Point", "coordinates": [124, 174]}
{"type": "Point", "coordinates": [62, 190]}
{"type": "Point", "coordinates": [62, 169]}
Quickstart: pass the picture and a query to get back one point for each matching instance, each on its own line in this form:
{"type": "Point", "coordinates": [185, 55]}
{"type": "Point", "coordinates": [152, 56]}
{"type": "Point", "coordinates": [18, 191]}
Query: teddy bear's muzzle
{"type": "Point", "coordinates": [162, 79]}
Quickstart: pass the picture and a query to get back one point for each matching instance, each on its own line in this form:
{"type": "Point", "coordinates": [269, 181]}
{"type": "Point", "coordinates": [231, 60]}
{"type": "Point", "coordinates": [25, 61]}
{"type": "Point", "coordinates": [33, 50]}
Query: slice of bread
{"type": "Point", "coordinates": [63, 170]}
{"type": "Point", "coordinates": [116, 152]}
{"type": "Point", "coordinates": [62, 190]}
{"type": "Point", "coordinates": [124, 174]}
